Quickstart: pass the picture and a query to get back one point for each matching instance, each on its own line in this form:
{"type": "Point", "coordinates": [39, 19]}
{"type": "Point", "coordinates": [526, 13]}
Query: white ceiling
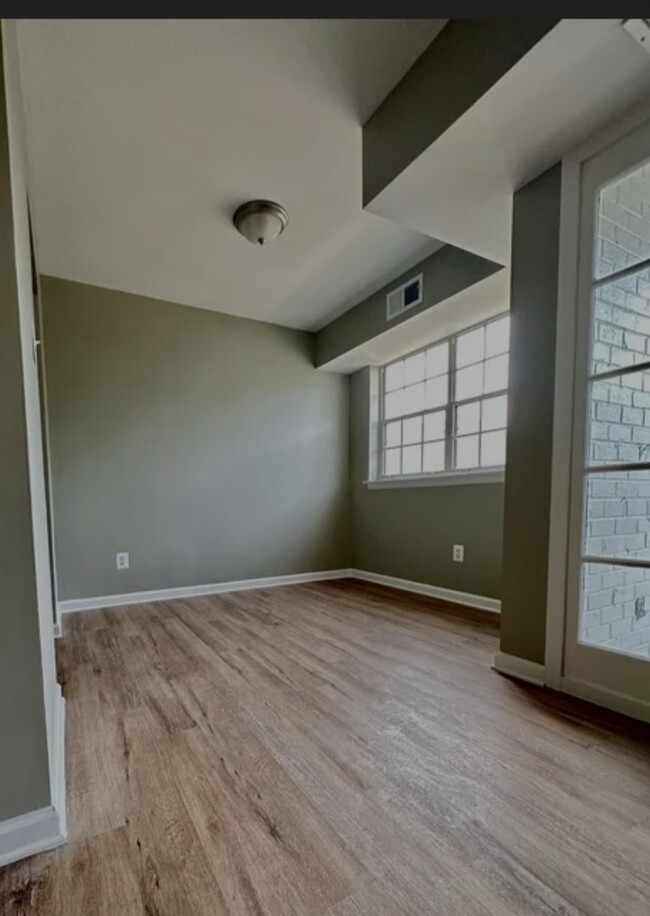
{"type": "Point", "coordinates": [143, 137]}
{"type": "Point", "coordinates": [579, 77]}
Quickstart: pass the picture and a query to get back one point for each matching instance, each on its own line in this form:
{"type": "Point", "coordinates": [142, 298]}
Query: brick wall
{"type": "Point", "coordinates": [615, 606]}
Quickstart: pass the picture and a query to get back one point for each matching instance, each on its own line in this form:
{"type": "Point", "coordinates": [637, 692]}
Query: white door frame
{"type": "Point", "coordinates": [563, 419]}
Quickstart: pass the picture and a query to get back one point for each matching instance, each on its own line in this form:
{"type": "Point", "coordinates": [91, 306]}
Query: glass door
{"type": "Point", "coordinates": [607, 638]}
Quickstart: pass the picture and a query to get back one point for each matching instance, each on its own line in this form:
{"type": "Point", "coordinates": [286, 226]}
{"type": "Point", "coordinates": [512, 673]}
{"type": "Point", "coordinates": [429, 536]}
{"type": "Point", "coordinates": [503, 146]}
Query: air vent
{"type": "Point", "coordinates": [639, 30]}
{"type": "Point", "coordinates": [403, 298]}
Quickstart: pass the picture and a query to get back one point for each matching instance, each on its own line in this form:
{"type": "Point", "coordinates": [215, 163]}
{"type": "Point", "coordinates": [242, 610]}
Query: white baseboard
{"type": "Point", "coordinates": [58, 785]}
{"type": "Point", "coordinates": [525, 670]}
{"type": "Point", "coordinates": [194, 591]}
{"type": "Point", "coordinates": [44, 829]}
{"type": "Point", "coordinates": [520, 668]}
{"type": "Point", "coordinates": [610, 699]}
{"type": "Point", "coordinates": [432, 591]}
{"type": "Point", "coordinates": [28, 834]}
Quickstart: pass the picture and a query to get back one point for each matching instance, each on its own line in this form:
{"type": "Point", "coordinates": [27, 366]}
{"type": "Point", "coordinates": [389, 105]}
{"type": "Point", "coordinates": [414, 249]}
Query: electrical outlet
{"type": "Point", "coordinates": [640, 609]}
{"type": "Point", "coordinates": [122, 560]}
{"type": "Point", "coordinates": [458, 553]}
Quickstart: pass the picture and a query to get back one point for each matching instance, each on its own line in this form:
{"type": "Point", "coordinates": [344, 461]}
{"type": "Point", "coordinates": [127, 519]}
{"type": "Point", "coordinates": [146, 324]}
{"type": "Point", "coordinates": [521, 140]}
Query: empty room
{"type": "Point", "coordinates": [325, 452]}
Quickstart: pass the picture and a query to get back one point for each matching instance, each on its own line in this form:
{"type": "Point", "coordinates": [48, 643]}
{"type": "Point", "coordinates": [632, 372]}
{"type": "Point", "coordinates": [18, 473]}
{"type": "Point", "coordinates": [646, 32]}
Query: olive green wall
{"type": "Point", "coordinates": [24, 774]}
{"type": "Point", "coordinates": [533, 309]}
{"type": "Point", "coordinates": [206, 446]}
{"type": "Point", "coordinates": [409, 532]}
{"type": "Point", "coordinates": [228, 456]}
{"type": "Point", "coordinates": [446, 272]}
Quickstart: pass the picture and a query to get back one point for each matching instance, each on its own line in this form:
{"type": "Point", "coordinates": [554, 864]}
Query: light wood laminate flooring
{"type": "Point", "coordinates": [333, 749]}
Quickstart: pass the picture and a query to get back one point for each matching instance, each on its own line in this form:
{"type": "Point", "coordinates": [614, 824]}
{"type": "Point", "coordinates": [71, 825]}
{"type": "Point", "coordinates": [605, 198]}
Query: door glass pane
{"type": "Point", "coordinates": [614, 602]}
{"type": "Point", "coordinates": [617, 515]}
{"type": "Point", "coordinates": [623, 224]}
{"type": "Point", "coordinates": [621, 322]}
{"type": "Point", "coordinates": [615, 608]}
{"type": "Point", "coordinates": [619, 419]}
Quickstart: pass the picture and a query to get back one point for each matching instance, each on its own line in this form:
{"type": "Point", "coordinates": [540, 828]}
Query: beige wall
{"type": "Point", "coordinates": [206, 446]}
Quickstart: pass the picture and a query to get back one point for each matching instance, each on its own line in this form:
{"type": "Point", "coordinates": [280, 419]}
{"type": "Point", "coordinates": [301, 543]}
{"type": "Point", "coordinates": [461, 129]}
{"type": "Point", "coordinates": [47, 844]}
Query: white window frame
{"type": "Point", "coordinates": [448, 476]}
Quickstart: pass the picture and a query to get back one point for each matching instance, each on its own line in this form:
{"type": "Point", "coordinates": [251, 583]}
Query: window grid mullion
{"type": "Point", "coordinates": [620, 274]}
{"type": "Point", "coordinates": [449, 408]}
{"type": "Point", "coordinates": [449, 411]}
{"type": "Point", "coordinates": [619, 371]}
{"type": "Point", "coordinates": [381, 470]}
{"type": "Point", "coordinates": [416, 413]}
{"type": "Point", "coordinates": [481, 397]}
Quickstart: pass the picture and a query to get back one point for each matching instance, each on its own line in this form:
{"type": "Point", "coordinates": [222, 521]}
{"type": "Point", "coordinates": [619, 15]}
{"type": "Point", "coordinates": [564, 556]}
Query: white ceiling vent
{"type": "Point", "coordinates": [405, 297]}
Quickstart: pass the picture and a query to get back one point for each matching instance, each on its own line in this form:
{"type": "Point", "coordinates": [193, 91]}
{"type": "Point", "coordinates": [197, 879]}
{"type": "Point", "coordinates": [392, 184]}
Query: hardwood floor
{"type": "Point", "coordinates": [335, 749]}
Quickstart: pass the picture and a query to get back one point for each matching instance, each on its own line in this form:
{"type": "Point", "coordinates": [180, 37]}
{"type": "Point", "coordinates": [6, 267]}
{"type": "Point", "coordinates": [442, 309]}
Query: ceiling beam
{"type": "Point", "coordinates": [446, 273]}
{"type": "Point", "coordinates": [460, 65]}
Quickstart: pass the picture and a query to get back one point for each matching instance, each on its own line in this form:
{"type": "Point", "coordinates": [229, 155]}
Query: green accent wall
{"type": "Point", "coordinates": [207, 446]}
{"type": "Point", "coordinates": [409, 532]}
{"type": "Point", "coordinates": [445, 273]}
{"type": "Point", "coordinates": [533, 310]}
{"type": "Point", "coordinates": [24, 776]}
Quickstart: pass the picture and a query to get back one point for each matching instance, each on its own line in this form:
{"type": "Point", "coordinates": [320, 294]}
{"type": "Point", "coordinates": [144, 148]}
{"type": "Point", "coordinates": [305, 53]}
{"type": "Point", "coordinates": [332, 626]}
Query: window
{"type": "Point", "coordinates": [443, 408]}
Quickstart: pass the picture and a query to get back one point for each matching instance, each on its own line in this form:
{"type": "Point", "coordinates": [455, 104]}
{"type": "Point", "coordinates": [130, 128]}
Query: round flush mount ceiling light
{"type": "Point", "coordinates": [260, 221]}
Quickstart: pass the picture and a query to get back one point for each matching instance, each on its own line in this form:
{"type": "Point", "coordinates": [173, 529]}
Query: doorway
{"type": "Point", "coordinates": [605, 631]}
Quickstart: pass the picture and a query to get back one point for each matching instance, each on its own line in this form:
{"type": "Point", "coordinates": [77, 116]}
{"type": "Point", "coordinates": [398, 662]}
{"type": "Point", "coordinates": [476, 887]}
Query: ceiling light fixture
{"type": "Point", "coordinates": [260, 221]}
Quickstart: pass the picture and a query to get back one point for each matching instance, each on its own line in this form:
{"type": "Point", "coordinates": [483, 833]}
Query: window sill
{"type": "Point", "coordinates": [450, 479]}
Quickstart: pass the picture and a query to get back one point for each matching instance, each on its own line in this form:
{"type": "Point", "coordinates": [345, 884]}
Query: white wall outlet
{"type": "Point", "coordinates": [122, 560]}
{"type": "Point", "coordinates": [458, 553]}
